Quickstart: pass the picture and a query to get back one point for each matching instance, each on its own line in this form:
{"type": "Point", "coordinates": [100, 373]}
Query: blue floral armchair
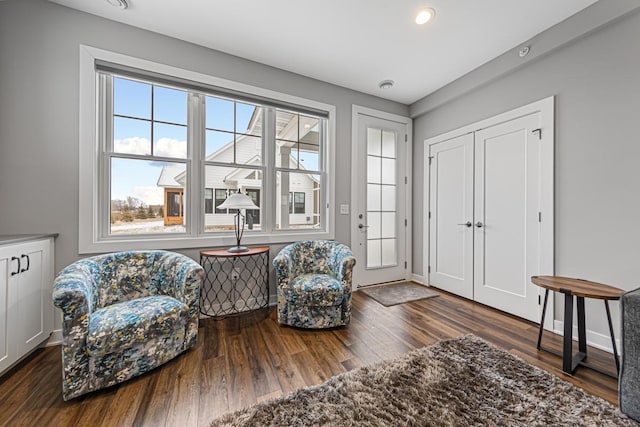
{"type": "Point", "coordinates": [314, 284]}
{"type": "Point", "coordinates": [124, 314]}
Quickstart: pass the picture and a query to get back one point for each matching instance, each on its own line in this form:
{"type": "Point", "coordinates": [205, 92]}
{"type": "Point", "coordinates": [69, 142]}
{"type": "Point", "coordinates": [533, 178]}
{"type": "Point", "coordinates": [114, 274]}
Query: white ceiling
{"type": "Point", "coordinates": [351, 43]}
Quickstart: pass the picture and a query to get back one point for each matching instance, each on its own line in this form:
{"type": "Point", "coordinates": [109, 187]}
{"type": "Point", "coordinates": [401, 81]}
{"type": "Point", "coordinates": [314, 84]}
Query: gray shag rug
{"type": "Point", "coordinates": [459, 382]}
{"type": "Point", "coordinates": [398, 293]}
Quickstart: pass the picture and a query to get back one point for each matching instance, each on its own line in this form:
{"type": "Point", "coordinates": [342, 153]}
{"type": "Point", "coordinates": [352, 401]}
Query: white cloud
{"type": "Point", "coordinates": [168, 147]}
{"type": "Point", "coordinates": [135, 145]}
{"type": "Point", "coordinates": [165, 147]}
{"type": "Point", "coordinates": [150, 195]}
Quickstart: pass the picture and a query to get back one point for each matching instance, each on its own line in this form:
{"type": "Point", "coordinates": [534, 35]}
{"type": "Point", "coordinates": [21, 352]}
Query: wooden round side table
{"type": "Point", "coordinates": [581, 289]}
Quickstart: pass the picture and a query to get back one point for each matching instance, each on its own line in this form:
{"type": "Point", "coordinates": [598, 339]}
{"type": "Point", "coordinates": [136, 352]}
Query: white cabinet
{"type": "Point", "coordinates": [26, 309]}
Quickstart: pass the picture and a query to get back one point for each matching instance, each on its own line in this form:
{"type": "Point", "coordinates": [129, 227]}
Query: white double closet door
{"type": "Point", "coordinates": [485, 215]}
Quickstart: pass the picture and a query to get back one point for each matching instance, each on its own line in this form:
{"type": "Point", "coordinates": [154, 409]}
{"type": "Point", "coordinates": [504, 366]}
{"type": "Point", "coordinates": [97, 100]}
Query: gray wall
{"type": "Point", "coordinates": [39, 45]}
{"type": "Point", "coordinates": [596, 81]}
{"type": "Point", "coordinates": [39, 51]}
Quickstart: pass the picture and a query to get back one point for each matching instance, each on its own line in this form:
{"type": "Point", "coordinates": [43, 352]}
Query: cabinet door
{"type": "Point", "coordinates": [8, 353]}
{"type": "Point", "coordinates": [33, 288]}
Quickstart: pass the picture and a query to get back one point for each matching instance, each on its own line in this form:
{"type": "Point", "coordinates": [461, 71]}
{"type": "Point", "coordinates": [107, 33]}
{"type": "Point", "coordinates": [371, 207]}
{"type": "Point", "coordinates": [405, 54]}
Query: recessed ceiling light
{"type": "Point", "coordinates": [425, 15]}
{"type": "Point", "coordinates": [122, 4]}
{"type": "Point", "coordinates": [385, 84]}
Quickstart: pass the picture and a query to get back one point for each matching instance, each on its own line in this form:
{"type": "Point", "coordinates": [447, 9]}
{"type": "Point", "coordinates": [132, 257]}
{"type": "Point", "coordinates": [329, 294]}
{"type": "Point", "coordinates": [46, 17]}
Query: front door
{"type": "Point", "coordinates": [380, 200]}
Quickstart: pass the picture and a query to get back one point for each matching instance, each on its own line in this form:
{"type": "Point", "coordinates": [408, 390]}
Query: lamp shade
{"type": "Point", "coordinates": [238, 201]}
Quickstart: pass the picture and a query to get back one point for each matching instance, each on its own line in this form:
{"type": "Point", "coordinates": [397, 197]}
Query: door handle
{"type": "Point", "coordinates": [467, 224]}
{"type": "Point", "coordinates": [361, 226]}
{"type": "Point", "coordinates": [479, 224]}
{"type": "Point", "coordinates": [22, 270]}
{"type": "Point", "coordinates": [15, 258]}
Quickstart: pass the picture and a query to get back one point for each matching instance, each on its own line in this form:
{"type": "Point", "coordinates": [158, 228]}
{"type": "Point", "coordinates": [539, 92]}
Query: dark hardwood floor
{"type": "Point", "coordinates": [249, 359]}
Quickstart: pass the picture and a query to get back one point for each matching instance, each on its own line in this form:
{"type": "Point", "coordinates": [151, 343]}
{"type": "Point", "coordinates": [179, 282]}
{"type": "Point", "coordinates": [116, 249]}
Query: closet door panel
{"type": "Point", "coordinates": [506, 231]}
{"type": "Point", "coordinates": [451, 201]}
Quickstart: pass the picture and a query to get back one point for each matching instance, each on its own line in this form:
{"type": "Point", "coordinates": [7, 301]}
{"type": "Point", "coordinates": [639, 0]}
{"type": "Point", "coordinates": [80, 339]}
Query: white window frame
{"type": "Point", "coordinates": [90, 236]}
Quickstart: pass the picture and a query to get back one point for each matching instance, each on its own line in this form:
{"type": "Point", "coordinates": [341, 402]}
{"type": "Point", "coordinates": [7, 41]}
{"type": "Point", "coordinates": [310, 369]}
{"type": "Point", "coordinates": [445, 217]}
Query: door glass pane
{"type": "Point", "coordinates": [381, 199]}
{"type": "Point", "coordinates": [388, 224]}
{"type": "Point", "coordinates": [374, 222]}
{"type": "Point", "coordinates": [374, 171]}
{"type": "Point", "coordinates": [373, 197]}
{"type": "Point", "coordinates": [374, 255]}
{"type": "Point", "coordinates": [388, 171]}
{"type": "Point", "coordinates": [388, 197]}
{"type": "Point", "coordinates": [374, 137]}
{"type": "Point", "coordinates": [389, 253]}
{"type": "Point", "coordinates": [388, 144]}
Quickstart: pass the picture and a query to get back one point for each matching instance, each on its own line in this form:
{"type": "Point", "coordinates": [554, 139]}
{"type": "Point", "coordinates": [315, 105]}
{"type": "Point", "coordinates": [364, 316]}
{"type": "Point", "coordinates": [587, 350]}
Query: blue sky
{"type": "Point", "coordinates": [138, 178]}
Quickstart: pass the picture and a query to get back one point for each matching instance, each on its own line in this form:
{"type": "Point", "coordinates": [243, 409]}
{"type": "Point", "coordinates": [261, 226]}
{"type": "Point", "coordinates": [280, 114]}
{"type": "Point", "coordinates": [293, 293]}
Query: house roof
{"type": "Point", "coordinates": [287, 129]}
{"type": "Point", "coordinates": [168, 176]}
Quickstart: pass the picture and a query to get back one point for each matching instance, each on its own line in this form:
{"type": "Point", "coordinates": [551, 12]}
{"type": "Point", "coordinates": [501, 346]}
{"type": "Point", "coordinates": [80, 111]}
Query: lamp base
{"type": "Point", "coordinates": [237, 249]}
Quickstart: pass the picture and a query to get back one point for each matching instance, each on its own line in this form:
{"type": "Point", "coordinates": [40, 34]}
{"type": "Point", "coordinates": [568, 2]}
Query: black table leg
{"type": "Point", "coordinates": [582, 330]}
{"type": "Point", "coordinates": [544, 311]}
{"type": "Point", "coordinates": [567, 338]}
{"type": "Point", "coordinates": [613, 339]}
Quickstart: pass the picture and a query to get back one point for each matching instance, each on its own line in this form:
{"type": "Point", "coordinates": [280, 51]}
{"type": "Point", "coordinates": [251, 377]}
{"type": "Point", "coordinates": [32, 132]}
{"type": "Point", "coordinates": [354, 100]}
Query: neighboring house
{"type": "Point", "coordinates": [173, 195]}
{"type": "Point", "coordinates": [298, 191]}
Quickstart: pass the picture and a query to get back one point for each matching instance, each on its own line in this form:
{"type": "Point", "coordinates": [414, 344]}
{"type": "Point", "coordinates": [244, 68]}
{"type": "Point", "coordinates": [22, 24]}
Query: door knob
{"type": "Point", "coordinates": [479, 224]}
{"type": "Point", "coordinates": [361, 226]}
{"type": "Point", "coordinates": [467, 224]}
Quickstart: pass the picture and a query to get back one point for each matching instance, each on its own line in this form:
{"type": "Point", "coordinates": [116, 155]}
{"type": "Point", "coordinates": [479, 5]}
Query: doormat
{"type": "Point", "coordinates": [398, 293]}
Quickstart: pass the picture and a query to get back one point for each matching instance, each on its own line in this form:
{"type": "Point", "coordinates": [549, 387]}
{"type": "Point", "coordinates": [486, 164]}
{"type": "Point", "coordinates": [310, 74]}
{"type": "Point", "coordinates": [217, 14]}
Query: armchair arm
{"type": "Point", "coordinates": [75, 293]}
{"type": "Point", "coordinates": [283, 265]}
{"type": "Point", "coordinates": [342, 262]}
{"type": "Point", "coordinates": [187, 281]}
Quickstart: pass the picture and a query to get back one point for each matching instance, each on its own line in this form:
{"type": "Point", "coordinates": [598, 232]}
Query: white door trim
{"type": "Point", "coordinates": [357, 110]}
{"type": "Point", "coordinates": [546, 109]}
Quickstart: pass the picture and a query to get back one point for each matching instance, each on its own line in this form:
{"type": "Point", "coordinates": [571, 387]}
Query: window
{"type": "Point", "coordinates": [253, 215]}
{"type": "Point", "coordinates": [298, 203]}
{"type": "Point", "coordinates": [221, 196]}
{"type": "Point", "coordinates": [148, 130]}
{"type": "Point", "coordinates": [208, 200]}
{"type": "Point", "coordinates": [172, 145]}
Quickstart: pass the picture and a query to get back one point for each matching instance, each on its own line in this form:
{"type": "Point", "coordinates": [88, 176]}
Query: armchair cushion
{"type": "Point", "coordinates": [316, 289]}
{"type": "Point", "coordinates": [130, 323]}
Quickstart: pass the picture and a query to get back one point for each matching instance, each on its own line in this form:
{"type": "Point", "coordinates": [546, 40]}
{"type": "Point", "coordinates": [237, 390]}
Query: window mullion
{"type": "Point", "coordinates": [195, 164]}
{"type": "Point", "coordinates": [271, 200]}
{"type": "Point", "coordinates": [105, 138]}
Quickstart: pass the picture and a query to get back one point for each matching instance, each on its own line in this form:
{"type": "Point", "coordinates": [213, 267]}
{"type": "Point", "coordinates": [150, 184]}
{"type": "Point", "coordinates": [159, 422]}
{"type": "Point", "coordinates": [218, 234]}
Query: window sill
{"type": "Point", "coordinates": [189, 242]}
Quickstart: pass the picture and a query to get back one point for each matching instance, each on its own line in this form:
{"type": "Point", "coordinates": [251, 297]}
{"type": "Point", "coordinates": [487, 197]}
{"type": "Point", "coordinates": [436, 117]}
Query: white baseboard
{"type": "Point", "coordinates": [418, 278]}
{"type": "Point", "coordinates": [54, 339]}
{"type": "Point", "coordinates": [594, 339]}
